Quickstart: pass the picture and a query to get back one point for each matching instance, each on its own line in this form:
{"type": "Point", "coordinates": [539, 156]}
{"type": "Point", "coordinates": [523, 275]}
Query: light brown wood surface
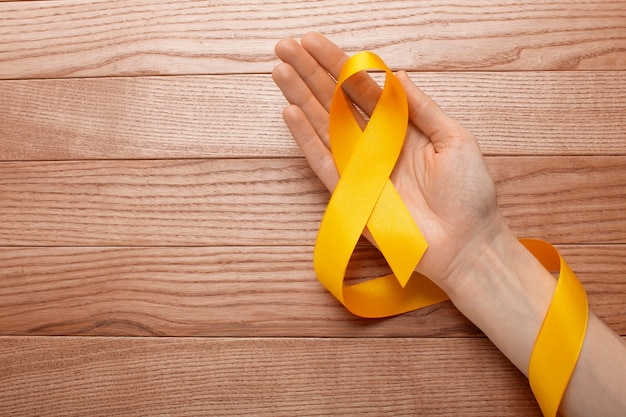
{"type": "Point", "coordinates": [266, 377]}
{"type": "Point", "coordinates": [138, 37]}
{"type": "Point", "coordinates": [236, 202]}
{"type": "Point", "coordinates": [511, 113]}
{"type": "Point", "coordinates": [157, 221]}
{"type": "Point", "coordinates": [233, 291]}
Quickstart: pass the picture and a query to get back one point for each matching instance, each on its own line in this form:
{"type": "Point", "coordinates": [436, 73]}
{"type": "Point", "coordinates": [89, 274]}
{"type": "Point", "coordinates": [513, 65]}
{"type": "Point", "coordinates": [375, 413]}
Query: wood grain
{"type": "Point", "coordinates": [234, 291]}
{"type": "Point", "coordinates": [521, 113]}
{"type": "Point", "coordinates": [563, 200]}
{"type": "Point", "coordinates": [148, 187]}
{"type": "Point", "coordinates": [261, 377]}
{"type": "Point", "coordinates": [241, 202]}
{"type": "Point", "coordinates": [139, 37]}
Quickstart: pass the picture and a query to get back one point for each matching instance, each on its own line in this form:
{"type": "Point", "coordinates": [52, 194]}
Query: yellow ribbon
{"type": "Point", "coordinates": [365, 197]}
{"type": "Point", "coordinates": [562, 333]}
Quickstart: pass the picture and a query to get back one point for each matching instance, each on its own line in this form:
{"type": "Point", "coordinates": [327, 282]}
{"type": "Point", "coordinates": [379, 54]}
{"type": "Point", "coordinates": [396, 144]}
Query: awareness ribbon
{"type": "Point", "coordinates": [562, 332]}
{"type": "Point", "coordinates": [365, 198]}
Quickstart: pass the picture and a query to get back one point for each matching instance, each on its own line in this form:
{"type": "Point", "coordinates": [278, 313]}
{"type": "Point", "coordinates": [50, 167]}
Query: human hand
{"type": "Point", "coordinates": [440, 174]}
{"type": "Point", "coordinates": [472, 255]}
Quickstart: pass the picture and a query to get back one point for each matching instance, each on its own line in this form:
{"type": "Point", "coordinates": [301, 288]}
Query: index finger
{"type": "Point", "coordinates": [361, 88]}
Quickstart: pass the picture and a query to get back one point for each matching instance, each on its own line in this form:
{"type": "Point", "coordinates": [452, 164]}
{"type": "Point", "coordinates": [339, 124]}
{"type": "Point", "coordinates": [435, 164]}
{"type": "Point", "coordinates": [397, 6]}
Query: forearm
{"type": "Point", "coordinates": [598, 385]}
{"type": "Point", "coordinates": [506, 292]}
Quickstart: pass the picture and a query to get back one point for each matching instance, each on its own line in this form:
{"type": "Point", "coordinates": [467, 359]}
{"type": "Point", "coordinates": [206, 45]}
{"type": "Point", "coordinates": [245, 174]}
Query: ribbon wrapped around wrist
{"type": "Point", "coordinates": [562, 333]}
{"type": "Point", "coordinates": [365, 198]}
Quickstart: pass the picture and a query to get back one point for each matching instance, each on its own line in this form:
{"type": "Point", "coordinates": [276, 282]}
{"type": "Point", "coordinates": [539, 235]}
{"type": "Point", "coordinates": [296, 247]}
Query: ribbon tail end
{"type": "Point", "coordinates": [403, 275]}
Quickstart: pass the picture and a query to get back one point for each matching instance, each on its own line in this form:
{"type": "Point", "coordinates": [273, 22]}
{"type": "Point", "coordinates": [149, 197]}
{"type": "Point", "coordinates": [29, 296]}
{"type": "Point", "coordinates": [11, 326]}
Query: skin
{"type": "Point", "coordinates": [473, 255]}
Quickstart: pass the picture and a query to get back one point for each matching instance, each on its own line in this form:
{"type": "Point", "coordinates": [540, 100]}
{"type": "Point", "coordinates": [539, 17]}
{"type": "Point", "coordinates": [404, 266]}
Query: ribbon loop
{"type": "Point", "coordinates": [364, 196]}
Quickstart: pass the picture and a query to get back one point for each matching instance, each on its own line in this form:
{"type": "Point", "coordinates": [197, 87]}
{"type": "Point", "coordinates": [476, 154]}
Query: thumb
{"type": "Point", "coordinates": [428, 116]}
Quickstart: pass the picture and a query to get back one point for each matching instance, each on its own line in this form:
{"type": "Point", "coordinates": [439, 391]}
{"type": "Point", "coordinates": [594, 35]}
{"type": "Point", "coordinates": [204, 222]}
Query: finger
{"type": "Point", "coordinates": [316, 77]}
{"type": "Point", "coordinates": [318, 81]}
{"type": "Point", "coordinates": [429, 117]}
{"type": "Point", "coordinates": [361, 88]}
{"type": "Point", "coordinates": [297, 92]}
{"type": "Point", "coordinates": [315, 151]}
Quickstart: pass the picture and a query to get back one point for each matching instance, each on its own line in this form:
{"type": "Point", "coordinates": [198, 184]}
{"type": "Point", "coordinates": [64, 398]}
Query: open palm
{"type": "Point", "coordinates": [440, 174]}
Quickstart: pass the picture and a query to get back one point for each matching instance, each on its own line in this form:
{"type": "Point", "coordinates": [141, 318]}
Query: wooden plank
{"type": "Point", "coordinates": [162, 203]}
{"type": "Point", "coordinates": [240, 202]}
{"type": "Point", "coordinates": [602, 274]}
{"type": "Point", "coordinates": [523, 113]}
{"type": "Point", "coordinates": [162, 117]}
{"type": "Point", "coordinates": [563, 200]}
{"type": "Point", "coordinates": [235, 291]}
{"type": "Point", "coordinates": [261, 377]}
{"type": "Point", "coordinates": [42, 39]}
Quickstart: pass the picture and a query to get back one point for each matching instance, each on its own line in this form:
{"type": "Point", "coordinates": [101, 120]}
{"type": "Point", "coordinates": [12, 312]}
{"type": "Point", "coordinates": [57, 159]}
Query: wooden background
{"type": "Point", "coordinates": [157, 221]}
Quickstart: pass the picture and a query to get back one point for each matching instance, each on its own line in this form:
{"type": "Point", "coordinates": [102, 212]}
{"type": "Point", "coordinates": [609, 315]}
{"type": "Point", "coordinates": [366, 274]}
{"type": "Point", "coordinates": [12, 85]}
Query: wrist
{"type": "Point", "coordinates": [502, 288]}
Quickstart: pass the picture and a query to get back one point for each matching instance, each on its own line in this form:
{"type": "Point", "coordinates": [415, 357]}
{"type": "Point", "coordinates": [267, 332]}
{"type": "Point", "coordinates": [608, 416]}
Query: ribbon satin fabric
{"type": "Point", "coordinates": [365, 198]}
{"type": "Point", "coordinates": [562, 333]}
